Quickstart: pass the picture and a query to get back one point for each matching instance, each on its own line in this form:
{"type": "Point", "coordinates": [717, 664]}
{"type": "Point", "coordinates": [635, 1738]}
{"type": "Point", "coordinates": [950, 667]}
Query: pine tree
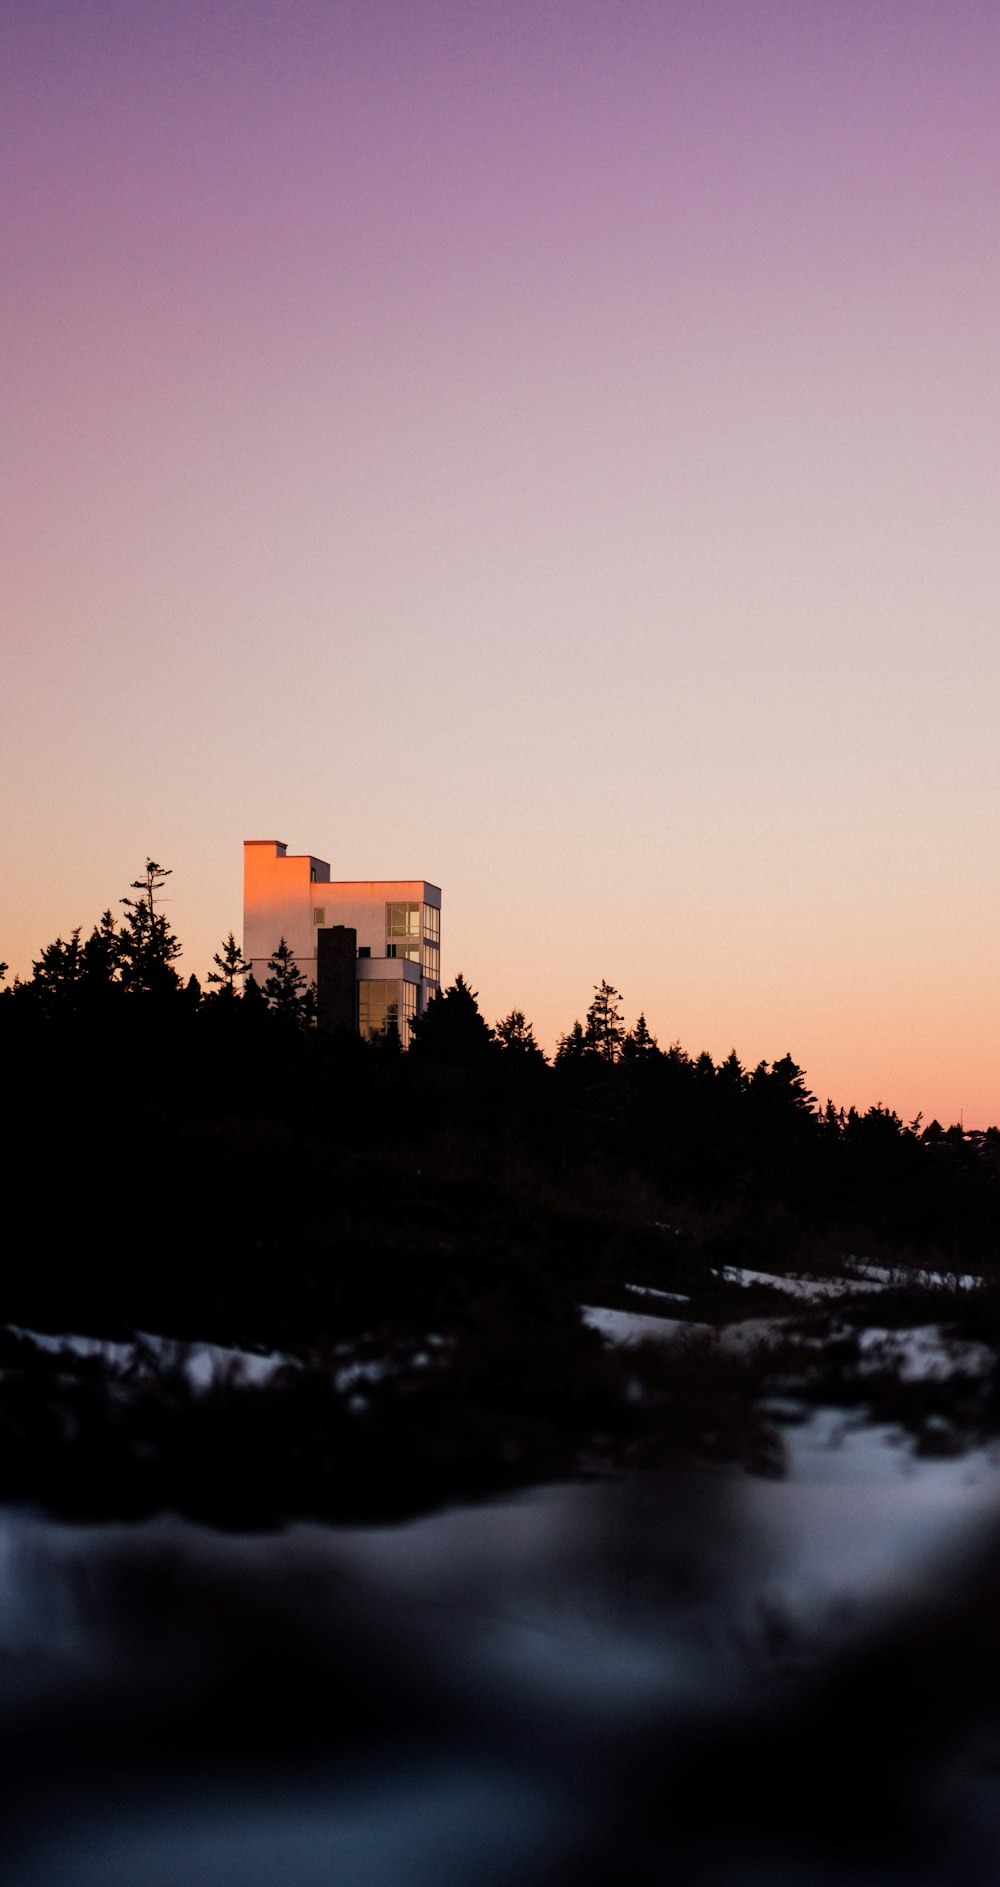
{"type": "Point", "coordinates": [102, 951]}
{"type": "Point", "coordinates": [731, 1075]}
{"type": "Point", "coordinates": [516, 1036]}
{"type": "Point", "coordinates": [60, 966]}
{"type": "Point", "coordinates": [452, 1030]}
{"type": "Point", "coordinates": [147, 944]}
{"type": "Point", "coordinates": [603, 1033]}
{"type": "Point", "coordinates": [68, 972]}
{"type": "Point", "coordinates": [230, 965]}
{"type": "Point", "coordinates": [287, 991]}
{"type": "Point", "coordinates": [640, 1044]}
{"type": "Point", "coordinates": [571, 1046]}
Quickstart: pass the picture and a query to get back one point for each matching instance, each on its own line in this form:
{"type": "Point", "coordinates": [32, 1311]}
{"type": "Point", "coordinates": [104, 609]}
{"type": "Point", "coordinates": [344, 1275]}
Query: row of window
{"type": "Point", "coordinates": [403, 935]}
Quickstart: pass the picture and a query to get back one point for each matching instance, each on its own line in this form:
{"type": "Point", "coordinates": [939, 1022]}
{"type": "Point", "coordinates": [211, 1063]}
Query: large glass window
{"type": "Point", "coordinates": [432, 923]}
{"type": "Point", "coordinates": [401, 921]}
{"type": "Point", "coordinates": [431, 962]}
{"type": "Point", "coordinates": [402, 931]}
{"type": "Point", "coordinates": [378, 1007]}
{"type": "Point", "coordinates": [386, 1009]}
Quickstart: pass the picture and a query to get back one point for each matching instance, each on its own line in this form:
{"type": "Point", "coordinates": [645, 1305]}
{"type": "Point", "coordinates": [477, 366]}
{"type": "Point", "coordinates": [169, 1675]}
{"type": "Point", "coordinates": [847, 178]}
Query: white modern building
{"type": "Point", "coordinates": [389, 928]}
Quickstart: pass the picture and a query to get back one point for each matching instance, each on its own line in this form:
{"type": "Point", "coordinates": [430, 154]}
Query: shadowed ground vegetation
{"type": "Point", "coordinates": [209, 1168]}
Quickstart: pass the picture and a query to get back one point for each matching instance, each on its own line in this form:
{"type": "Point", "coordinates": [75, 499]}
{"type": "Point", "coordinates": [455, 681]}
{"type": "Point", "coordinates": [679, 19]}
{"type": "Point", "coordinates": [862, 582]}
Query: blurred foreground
{"type": "Point", "coordinates": [690, 1675]}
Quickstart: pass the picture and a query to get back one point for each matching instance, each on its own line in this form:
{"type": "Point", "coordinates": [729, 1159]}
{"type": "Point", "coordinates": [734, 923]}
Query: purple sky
{"type": "Point", "coordinates": [549, 449]}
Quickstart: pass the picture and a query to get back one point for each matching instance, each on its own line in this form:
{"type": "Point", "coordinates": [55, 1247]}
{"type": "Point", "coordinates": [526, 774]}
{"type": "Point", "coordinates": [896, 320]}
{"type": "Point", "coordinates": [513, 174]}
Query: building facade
{"type": "Point", "coordinates": [392, 926]}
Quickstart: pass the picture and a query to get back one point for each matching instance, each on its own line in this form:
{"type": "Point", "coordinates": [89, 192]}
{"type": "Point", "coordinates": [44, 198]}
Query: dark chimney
{"type": "Point", "coordinates": [336, 978]}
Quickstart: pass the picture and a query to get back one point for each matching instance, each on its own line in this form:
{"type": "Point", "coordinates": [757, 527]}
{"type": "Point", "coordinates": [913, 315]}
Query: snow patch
{"type": "Point", "coordinates": [631, 1326]}
{"type": "Point", "coordinates": [202, 1363]}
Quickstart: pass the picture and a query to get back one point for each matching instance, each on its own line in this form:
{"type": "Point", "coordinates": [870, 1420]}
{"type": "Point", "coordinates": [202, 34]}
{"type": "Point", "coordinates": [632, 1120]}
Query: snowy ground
{"type": "Point", "coordinates": [202, 1363]}
{"type": "Point", "coordinates": [635, 1326]}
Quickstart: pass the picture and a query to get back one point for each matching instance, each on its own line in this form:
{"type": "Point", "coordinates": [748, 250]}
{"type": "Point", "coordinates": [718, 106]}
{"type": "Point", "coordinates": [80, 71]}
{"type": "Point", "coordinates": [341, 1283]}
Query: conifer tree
{"type": "Point", "coordinates": [102, 951]}
{"type": "Point", "coordinates": [452, 1029]}
{"type": "Point", "coordinates": [516, 1036]}
{"type": "Point", "coordinates": [60, 966]}
{"type": "Point", "coordinates": [230, 964]}
{"type": "Point", "coordinates": [731, 1075]}
{"type": "Point", "coordinates": [640, 1044]}
{"type": "Point", "coordinates": [571, 1046]}
{"type": "Point", "coordinates": [147, 945]}
{"type": "Point", "coordinates": [287, 991]}
{"type": "Point", "coordinates": [603, 1033]}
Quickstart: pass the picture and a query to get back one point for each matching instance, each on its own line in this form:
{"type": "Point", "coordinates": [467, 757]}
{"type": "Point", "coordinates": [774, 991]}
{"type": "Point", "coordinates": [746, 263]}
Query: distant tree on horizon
{"type": "Point", "coordinates": [102, 951]}
{"type": "Point", "coordinates": [515, 1036]}
{"type": "Point", "coordinates": [603, 1032]}
{"type": "Point", "coordinates": [572, 1045]}
{"type": "Point", "coordinates": [147, 947]}
{"type": "Point", "coordinates": [61, 964]}
{"type": "Point", "coordinates": [640, 1044]}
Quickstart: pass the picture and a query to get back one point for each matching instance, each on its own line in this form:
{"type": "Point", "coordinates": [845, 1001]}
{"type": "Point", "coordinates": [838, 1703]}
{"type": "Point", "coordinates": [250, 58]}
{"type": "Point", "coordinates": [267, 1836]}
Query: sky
{"type": "Point", "coordinates": [550, 449]}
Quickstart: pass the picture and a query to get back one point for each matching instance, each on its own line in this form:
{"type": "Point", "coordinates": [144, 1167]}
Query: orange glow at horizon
{"type": "Point", "coordinates": [549, 449]}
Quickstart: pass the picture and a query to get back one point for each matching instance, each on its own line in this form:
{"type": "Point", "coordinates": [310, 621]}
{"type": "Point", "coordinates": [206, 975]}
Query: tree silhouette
{"type": "Point", "coordinates": [147, 945]}
{"type": "Point", "coordinates": [783, 1084]}
{"type": "Point", "coordinates": [452, 1029]}
{"type": "Point", "coordinates": [68, 971]}
{"type": "Point", "coordinates": [230, 965]}
{"type": "Point", "coordinates": [287, 991]}
{"type": "Point", "coordinates": [571, 1046]}
{"type": "Point", "coordinates": [60, 966]}
{"type": "Point", "coordinates": [102, 951]}
{"type": "Point", "coordinates": [731, 1075]}
{"type": "Point", "coordinates": [154, 879]}
{"type": "Point", "coordinates": [603, 1033]}
{"type": "Point", "coordinates": [640, 1044]}
{"type": "Point", "coordinates": [516, 1037]}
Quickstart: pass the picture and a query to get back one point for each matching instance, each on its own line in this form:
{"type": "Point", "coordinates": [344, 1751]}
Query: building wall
{"type": "Point", "coordinates": [362, 905]}
{"type": "Point", "coordinates": [293, 896]}
{"type": "Point", "coordinates": [277, 902]}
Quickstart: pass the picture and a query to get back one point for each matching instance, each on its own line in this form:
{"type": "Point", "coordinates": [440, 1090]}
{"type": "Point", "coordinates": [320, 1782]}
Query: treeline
{"type": "Point", "coordinates": [208, 1155]}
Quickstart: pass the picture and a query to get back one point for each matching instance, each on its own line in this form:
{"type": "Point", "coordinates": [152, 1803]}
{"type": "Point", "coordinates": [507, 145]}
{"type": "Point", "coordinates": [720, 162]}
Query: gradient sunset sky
{"type": "Point", "coordinates": [553, 449]}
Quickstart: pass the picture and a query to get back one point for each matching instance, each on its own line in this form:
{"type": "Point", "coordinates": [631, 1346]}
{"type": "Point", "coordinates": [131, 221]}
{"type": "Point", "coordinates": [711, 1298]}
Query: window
{"type": "Point", "coordinates": [431, 962]}
{"type": "Point", "coordinates": [402, 920]}
{"type": "Point", "coordinates": [386, 1008]}
{"type": "Point", "coordinates": [319, 915]}
{"type": "Point", "coordinates": [409, 1010]}
{"type": "Point", "coordinates": [364, 950]}
{"type": "Point", "coordinates": [432, 923]}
